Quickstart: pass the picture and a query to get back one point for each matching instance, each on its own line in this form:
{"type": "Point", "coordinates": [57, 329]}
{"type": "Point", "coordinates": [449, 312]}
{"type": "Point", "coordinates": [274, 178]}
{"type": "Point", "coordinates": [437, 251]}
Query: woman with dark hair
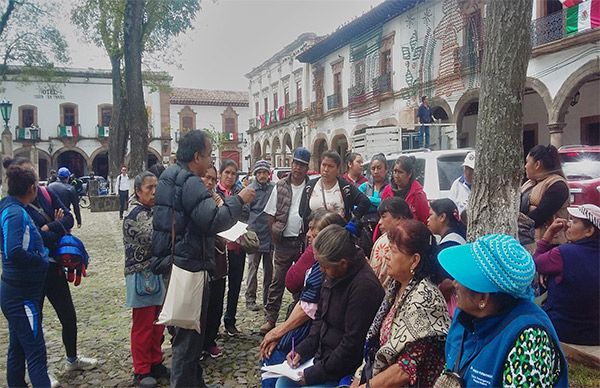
{"type": "Point", "coordinates": [544, 196]}
{"type": "Point", "coordinates": [24, 267]}
{"type": "Point", "coordinates": [406, 186]}
{"type": "Point", "coordinates": [354, 173]}
{"type": "Point", "coordinates": [499, 336]}
{"type": "Point", "coordinates": [349, 299]}
{"type": "Point", "coordinates": [405, 344]}
{"type": "Point", "coordinates": [226, 187]}
{"type": "Point", "coordinates": [373, 188]}
{"type": "Point", "coordinates": [145, 290]}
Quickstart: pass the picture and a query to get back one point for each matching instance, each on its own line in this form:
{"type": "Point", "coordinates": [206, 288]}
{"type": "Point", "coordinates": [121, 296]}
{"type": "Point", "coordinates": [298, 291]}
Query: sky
{"type": "Point", "coordinates": [231, 37]}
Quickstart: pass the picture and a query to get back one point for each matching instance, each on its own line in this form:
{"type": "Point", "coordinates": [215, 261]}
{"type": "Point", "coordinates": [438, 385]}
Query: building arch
{"type": "Point", "coordinates": [442, 108]}
{"type": "Point", "coordinates": [256, 152]}
{"type": "Point", "coordinates": [287, 149]}
{"type": "Point", "coordinates": [341, 145]}
{"type": "Point", "coordinates": [318, 147]}
{"type": "Point", "coordinates": [74, 158]}
{"type": "Point", "coordinates": [389, 122]}
{"type": "Point", "coordinates": [99, 161]}
{"type": "Point", "coordinates": [570, 87]}
{"type": "Point", "coordinates": [266, 154]}
{"type": "Point", "coordinates": [540, 88]}
{"type": "Point", "coordinates": [298, 138]}
{"type": "Point", "coordinates": [467, 105]}
{"type": "Point", "coordinates": [276, 152]}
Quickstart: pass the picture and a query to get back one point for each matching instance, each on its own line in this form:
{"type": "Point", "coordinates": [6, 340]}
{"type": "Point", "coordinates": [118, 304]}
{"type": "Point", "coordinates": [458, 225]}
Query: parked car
{"type": "Point", "coordinates": [581, 165]}
{"type": "Point", "coordinates": [435, 170]}
{"type": "Point", "coordinates": [279, 173]}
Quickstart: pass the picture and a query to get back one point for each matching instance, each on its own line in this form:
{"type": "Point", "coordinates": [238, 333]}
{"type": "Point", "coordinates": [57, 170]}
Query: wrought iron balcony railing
{"type": "Point", "coordinates": [548, 29]}
{"type": "Point", "coordinates": [334, 101]}
{"type": "Point", "coordinates": [32, 133]}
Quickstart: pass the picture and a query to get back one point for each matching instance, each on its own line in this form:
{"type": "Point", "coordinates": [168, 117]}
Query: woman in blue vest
{"type": "Point", "coordinates": [24, 266]}
{"type": "Point", "coordinates": [499, 336]}
{"type": "Point", "coordinates": [573, 275]}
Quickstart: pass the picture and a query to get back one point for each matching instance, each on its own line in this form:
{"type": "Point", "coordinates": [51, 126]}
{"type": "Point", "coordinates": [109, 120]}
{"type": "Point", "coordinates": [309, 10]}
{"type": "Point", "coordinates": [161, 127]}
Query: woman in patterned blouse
{"type": "Point", "coordinates": [499, 337]}
{"type": "Point", "coordinates": [405, 344]}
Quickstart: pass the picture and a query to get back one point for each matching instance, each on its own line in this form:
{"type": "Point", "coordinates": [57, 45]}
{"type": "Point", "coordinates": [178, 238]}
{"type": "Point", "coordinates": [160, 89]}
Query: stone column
{"type": "Point", "coordinates": [7, 150]}
{"type": "Point", "coordinates": [34, 157]}
{"type": "Point", "coordinates": [556, 131]}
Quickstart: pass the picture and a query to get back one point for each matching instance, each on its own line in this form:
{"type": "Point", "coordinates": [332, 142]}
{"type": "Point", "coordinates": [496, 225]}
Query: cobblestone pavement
{"type": "Point", "coordinates": [104, 322]}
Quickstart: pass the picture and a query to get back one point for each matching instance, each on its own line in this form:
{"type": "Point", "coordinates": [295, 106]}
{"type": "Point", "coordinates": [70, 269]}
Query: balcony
{"type": "Point", "coordinates": [334, 101]}
{"type": "Point", "coordinates": [102, 131]}
{"type": "Point", "coordinates": [470, 59]}
{"type": "Point", "coordinates": [68, 130]}
{"type": "Point", "coordinates": [316, 108]}
{"type": "Point", "coordinates": [32, 133]}
{"type": "Point", "coordinates": [253, 123]}
{"type": "Point", "coordinates": [383, 83]}
{"type": "Point", "coordinates": [549, 28]}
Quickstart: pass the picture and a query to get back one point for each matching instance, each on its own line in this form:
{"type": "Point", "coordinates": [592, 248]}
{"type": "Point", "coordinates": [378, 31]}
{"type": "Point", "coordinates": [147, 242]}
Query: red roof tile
{"type": "Point", "coordinates": [189, 96]}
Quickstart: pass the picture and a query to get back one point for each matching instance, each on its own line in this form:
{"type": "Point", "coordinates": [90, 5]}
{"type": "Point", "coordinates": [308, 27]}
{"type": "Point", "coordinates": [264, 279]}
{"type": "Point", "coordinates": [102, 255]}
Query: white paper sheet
{"type": "Point", "coordinates": [235, 232]}
{"type": "Point", "coordinates": [284, 369]}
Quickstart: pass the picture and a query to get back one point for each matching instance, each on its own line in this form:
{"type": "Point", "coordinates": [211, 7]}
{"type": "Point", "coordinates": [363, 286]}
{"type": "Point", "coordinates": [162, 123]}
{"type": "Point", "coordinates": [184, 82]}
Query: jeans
{"type": "Point", "coordinates": [284, 382]}
{"type": "Point", "coordinates": [187, 348]}
{"type": "Point", "coordinates": [424, 136]}
{"type": "Point", "coordinates": [215, 312]}
{"type": "Point", "coordinates": [277, 357]}
{"type": "Point", "coordinates": [123, 201]}
{"type": "Point", "coordinates": [58, 293]}
{"type": "Point", "coordinates": [251, 281]}
{"type": "Point", "coordinates": [21, 307]}
{"type": "Point", "coordinates": [286, 253]}
{"type": "Point", "coordinates": [237, 262]}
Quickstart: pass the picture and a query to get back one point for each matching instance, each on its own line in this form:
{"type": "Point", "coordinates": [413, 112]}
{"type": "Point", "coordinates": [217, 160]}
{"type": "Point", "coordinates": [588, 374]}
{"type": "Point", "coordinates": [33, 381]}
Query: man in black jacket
{"type": "Point", "coordinates": [183, 199]}
{"type": "Point", "coordinates": [66, 192]}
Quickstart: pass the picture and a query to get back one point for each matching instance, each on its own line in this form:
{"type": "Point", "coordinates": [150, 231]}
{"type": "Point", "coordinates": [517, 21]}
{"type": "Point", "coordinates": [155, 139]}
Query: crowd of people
{"type": "Point", "coordinates": [386, 289]}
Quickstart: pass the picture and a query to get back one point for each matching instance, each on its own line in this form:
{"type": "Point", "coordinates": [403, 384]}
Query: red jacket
{"type": "Point", "coordinates": [294, 278]}
{"type": "Point", "coordinates": [416, 200]}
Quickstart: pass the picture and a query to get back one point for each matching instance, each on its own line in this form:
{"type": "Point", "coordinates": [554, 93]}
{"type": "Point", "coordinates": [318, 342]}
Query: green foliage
{"type": "Point", "coordinates": [101, 22]}
{"type": "Point", "coordinates": [216, 137]}
{"type": "Point", "coordinates": [29, 38]}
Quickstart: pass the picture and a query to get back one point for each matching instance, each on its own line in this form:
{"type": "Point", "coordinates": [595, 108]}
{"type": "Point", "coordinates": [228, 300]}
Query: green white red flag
{"type": "Point", "coordinates": [582, 16]}
{"type": "Point", "coordinates": [69, 131]}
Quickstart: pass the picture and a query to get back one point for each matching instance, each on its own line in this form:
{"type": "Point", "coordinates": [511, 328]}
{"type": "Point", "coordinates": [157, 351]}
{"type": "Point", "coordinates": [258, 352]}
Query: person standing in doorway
{"type": "Point", "coordinates": [123, 187]}
{"type": "Point", "coordinates": [287, 230]}
{"type": "Point", "coordinates": [425, 117]}
{"type": "Point", "coordinates": [259, 223]}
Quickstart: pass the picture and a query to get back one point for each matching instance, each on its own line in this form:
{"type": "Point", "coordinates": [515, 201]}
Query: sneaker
{"type": "Point", "coordinates": [252, 306]}
{"type": "Point", "coordinates": [231, 330]}
{"type": "Point", "coordinates": [53, 381]}
{"type": "Point", "coordinates": [267, 327]}
{"type": "Point", "coordinates": [81, 363]}
{"type": "Point", "coordinates": [144, 381]}
{"type": "Point", "coordinates": [160, 371]}
{"type": "Point", "coordinates": [215, 351]}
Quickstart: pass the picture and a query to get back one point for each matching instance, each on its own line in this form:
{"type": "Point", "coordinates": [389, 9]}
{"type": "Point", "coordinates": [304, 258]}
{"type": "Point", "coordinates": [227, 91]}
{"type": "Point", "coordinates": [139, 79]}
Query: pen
{"type": "Point", "coordinates": [293, 350]}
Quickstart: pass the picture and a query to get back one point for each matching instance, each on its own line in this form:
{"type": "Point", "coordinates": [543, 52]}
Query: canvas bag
{"type": "Point", "coordinates": [183, 302]}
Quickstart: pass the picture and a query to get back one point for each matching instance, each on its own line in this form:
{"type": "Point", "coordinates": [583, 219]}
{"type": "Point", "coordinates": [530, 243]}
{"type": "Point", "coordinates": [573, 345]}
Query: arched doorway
{"type": "Point", "coordinates": [74, 161]}
{"type": "Point", "coordinates": [287, 149]}
{"type": "Point", "coordinates": [266, 154]}
{"type": "Point", "coordinates": [465, 117]}
{"type": "Point", "coordinates": [298, 139]}
{"type": "Point", "coordinates": [319, 146]}
{"type": "Point", "coordinates": [276, 153]}
{"type": "Point", "coordinates": [43, 160]}
{"type": "Point", "coordinates": [256, 153]}
{"type": "Point", "coordinates": [339, 144]}
{"type": "Point", "coordinates": [100, 164]}
{"type": "Point", "coordinates": [535, 118]}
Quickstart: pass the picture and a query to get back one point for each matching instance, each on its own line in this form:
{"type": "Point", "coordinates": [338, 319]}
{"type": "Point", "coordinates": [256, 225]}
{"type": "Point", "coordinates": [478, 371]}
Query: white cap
{"type": "Point", "coordinates": [587, 212]}
{"type": "Point", "coordinates": [470, 160]}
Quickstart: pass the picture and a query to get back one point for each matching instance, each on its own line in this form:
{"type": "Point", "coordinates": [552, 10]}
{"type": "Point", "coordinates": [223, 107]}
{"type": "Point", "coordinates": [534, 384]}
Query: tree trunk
{"type": "Point", "coordinates": [117, 140]}
{"type": "Point", "coordinates": [494, 203]}
{"type": "Point", "coordinates": [137, 117]}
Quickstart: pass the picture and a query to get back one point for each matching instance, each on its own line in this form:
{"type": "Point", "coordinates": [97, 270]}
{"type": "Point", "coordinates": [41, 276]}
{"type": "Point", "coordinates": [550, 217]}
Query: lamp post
{"type": "Point", "coordinates": [6, 110]}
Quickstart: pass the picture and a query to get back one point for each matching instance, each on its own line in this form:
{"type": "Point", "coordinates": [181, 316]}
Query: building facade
{"type": "Point", "coordinates": [372, 71]}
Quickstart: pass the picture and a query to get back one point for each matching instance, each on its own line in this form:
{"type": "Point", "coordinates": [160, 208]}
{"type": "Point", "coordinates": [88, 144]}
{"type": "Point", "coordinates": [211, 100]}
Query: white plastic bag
{"type": "Point", "coordinates": [183, 303]}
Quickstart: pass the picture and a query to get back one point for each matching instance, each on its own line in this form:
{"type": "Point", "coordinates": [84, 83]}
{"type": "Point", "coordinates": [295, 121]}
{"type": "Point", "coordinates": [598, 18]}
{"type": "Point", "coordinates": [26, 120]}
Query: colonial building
{"type": "Point", "coordinates": [372, 71]}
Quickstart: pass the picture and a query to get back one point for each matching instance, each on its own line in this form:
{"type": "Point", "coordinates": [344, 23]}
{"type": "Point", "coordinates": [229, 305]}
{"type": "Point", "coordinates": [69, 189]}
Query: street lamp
{"type": "Point", "coordinates": [5, 109]}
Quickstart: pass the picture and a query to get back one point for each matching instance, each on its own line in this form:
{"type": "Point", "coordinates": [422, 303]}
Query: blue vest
{"type": "Point", "coordinates": [573, 305]}
{"type": "Point", "coordinates": [493, 338]}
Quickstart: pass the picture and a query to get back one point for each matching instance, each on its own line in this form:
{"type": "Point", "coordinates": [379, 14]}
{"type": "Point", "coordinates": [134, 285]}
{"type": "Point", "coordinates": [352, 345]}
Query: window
{"type": "Point", "coordinates": [386, 62]}
{"type": "Point", "coordinates": [275, 102]}
{"type": "Point", "coordinates": [266, 105]}
{"type": "Point", "coordinates": [359, 73]}
{"type": "Point", "coordinates": [187, 119]}
{"type": "Point", "coordinates": [69, 114]}
{"type": "Point", "coordinates": [27, 118]}
{"type": "Point", "coordinates": [229, 124]}
{"type": "Point", "coordinates": [187, 122]}
{"type": "Point", "coordinates": [256, 110]}
{"type": "Point", "coordinates": [337, 84]}
{"type": "Point", "coordinates": [299, 96]}
{"type": "Point", "coordinates": [105, 116]}
{"type": "Point", "coordinates": [286, 100]}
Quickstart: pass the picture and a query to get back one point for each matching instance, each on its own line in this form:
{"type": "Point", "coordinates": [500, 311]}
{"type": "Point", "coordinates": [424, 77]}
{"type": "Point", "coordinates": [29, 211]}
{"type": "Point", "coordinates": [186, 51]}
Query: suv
{"type": "Point", "coordinates": [435, 170]}
{"type": "Point", "coordinates": [581, 165]}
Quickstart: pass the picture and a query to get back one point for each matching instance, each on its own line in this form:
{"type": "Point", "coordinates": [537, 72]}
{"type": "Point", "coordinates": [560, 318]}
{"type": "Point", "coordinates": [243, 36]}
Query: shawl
{"type": "Point", "coordinates": [421, 313]}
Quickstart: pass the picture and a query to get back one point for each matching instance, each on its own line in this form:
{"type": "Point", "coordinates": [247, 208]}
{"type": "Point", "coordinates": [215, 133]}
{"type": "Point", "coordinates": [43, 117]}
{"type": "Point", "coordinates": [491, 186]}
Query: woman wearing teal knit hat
{"type": "Point", "coordinates": [499, 337]}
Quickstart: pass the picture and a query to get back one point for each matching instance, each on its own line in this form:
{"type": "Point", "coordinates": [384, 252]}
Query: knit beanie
{"type": "Point", "coordinates": [261, 165]}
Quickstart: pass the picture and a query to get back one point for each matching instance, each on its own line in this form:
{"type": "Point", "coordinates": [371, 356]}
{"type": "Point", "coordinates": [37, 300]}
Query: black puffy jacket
{"type": "Point", "coordinates": [197, 219]}
{"type": "Point", "coordinates": [68, 196]}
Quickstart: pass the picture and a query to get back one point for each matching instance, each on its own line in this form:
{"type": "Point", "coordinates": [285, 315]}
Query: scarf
{"type": "Point", "coordinates": [421, 312]}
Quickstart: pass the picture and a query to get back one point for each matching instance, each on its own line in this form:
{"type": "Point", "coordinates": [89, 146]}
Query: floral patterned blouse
{"type": "Point", "coordinates": [381, 250]}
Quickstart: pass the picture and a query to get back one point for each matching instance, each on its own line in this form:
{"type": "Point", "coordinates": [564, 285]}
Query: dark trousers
{"type": "Point", "coordinates": [187, 348]}
{"type": "Point", "coordinates": [252, 282]}
{"type": "Point", "coordinates": [234, 279]}
{"type": "Point", "coordinates": [215, 312]}
{"type": "Point", "coordinates": [286, 253]}
{"type": "Point", "coordinates": [424, 136]}
{"type": "Point", "coordinates": [58, 293]}
{"type": "Point", "coordinates": [123, 201]}
{"type": "Point", "coordinates": [25, 336]}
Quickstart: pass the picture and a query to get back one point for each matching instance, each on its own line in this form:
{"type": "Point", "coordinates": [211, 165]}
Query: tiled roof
{"type": "Point", "coordinates": [188, 96]}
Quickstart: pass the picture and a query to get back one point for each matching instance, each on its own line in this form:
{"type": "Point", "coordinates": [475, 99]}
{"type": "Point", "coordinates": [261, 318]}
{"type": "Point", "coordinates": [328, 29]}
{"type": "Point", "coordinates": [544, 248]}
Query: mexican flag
{"type": "Point", "coordinates": [231, 136]}
{"type": "Point", "coordinates": [583, 16]}
{"type": "Point", "coordinates": [570, 3]}
{"type": "Point", "coordinates": [23, 133]}
{"type": "Point", "coordinates": [69, 131]}
{"type": "Point", "coordinates": [103, 131]}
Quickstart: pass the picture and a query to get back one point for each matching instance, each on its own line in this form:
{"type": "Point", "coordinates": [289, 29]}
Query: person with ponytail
{"type": "Point", "coordinates": [350, 296]}
{"type": "Point", "coordinates": [405, 343]}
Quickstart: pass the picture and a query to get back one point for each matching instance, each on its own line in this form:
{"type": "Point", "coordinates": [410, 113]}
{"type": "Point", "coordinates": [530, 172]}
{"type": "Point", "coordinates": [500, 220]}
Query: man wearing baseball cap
{"type": "Point", "coordinates": [259, 223]}
{"type": "Point", "coordinates": [461, 187]}
{"type": "Point", "coordinates": [573, 275]}
{"type": "Point", "coordinates": [286, 230]}
{"type": "Point", "coordinates": [66, 192]}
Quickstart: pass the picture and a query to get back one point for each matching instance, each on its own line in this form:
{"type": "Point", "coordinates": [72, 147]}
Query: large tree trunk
{"type": "Point", "coordinates": [137, 117]}
{"type": "Point", "coordinates": [117, 141]}
{"type": "Point", "coordinates": [493, 207]}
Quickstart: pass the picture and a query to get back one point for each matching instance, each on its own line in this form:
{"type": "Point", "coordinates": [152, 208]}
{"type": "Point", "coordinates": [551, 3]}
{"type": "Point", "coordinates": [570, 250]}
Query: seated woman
{"type": "Point", "coordinates": [445, 222]}
{"type": "Point", "coordinates": [573, 272]}
{"type": "Point", "coordinates": [405, 344]}
{"type": "Point", "coordinates": [350, 297]}
{"type": "Point", "coordinates": [499, 336]}
{"type": "Point", "coordinates": [278, 342]}
{"type": "Point", "coordinates": [391, 212]}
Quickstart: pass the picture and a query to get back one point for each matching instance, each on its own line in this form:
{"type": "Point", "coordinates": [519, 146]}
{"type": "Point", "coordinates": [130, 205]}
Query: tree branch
{"type": "Point", "coordinates": [6, 15]}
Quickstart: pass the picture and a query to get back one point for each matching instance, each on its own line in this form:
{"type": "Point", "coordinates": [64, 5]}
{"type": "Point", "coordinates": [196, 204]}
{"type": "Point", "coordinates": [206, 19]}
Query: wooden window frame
{"type": "Point", "coordinates": [75, 112]}
{"type": "Point", "coordinates": [35, 114]}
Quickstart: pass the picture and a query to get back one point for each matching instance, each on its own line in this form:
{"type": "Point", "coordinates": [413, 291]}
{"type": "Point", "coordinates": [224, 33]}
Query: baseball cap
{"type": "Point", "coordinates": [301, 155]}
{"type": "Point", "coordinates": [587, 212]}
{"type": "Point", "coordinates": [64, 172]}
{"type": "Point", "coordinates": [493, 263]}
{"type": "Point", "coordinates": [470, 160]}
